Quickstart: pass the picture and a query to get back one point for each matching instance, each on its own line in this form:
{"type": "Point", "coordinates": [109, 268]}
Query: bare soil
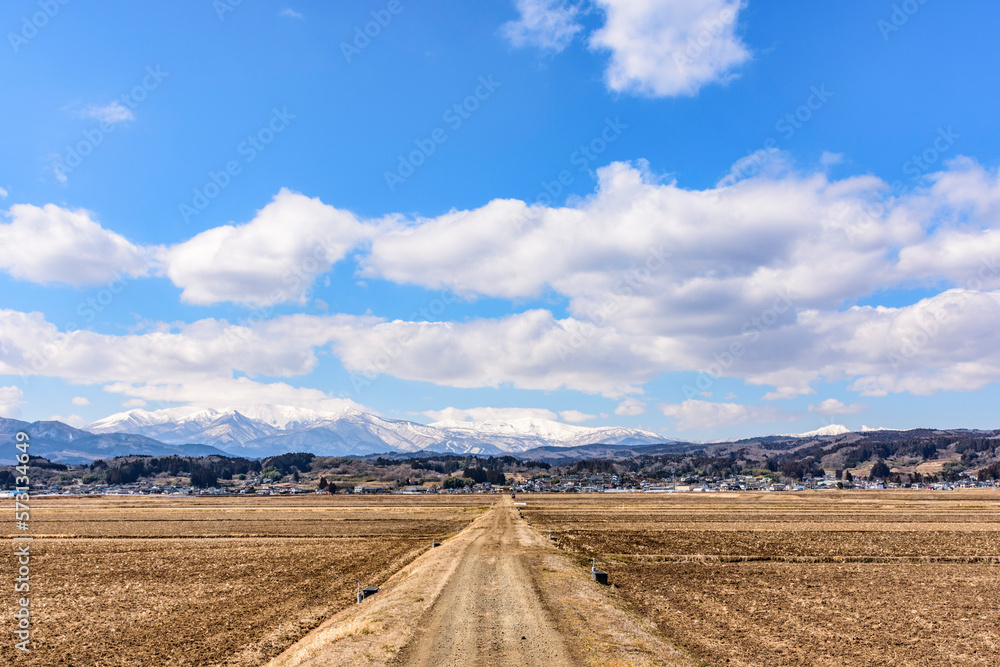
{"type": "Point", "coordinates": [499, 593]}
{"type": "Point", "coordinates": [881, 578]}
{"type": "Point", "coordinates": [192, 581]}
{"type": "Point", "coordinates": [490, 613]}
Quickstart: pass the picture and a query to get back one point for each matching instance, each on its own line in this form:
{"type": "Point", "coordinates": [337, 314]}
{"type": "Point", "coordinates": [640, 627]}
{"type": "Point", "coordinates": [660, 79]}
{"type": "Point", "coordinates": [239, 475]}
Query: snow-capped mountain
{"type": "Point", "coordinates": [268, 430]}
{"type": "Point", "coordinates": [832, 429]}
{"type": "Point", "coordinates": [527, 433]}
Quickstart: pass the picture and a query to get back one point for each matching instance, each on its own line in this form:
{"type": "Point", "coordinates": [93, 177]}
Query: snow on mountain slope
{"type": "Point", "coordinates": [527, 433]}
{"type": "Point", "coordinates": [267, 430]}
{"type": "Point", "coordinates": [528, 426]}
{"type": "Point", "coordinates": [832, 429]}
{"type": "Point", "coordinates": [139, 418]}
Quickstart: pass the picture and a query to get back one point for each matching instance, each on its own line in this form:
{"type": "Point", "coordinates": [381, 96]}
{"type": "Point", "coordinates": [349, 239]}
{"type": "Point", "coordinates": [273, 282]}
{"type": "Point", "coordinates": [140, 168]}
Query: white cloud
{"type": "Point", "coordinates": [113, 112]}
{"type": "Point", "coordinates": [488, 414]}
{"type": "Point", "coordinates": [832, 406]}
{"type": "Point", "coordinates": [828, 159]}
{"type": "Point", "coordinates": [55, 245]}
{"type": "Point", "coordinates": [80, 401]}
{"type": "Point", "coordinates": [575, 416]}
{"type": "Point", "coordinates": [289, 13]}
{"type": "Point", "coordinates": [274, 258]}
{"type": "Point", "coordinates": [220, 392]}
{"type": "Point", "coordinates": [784, 391]}
{"type": "Point", "coordinates": [693, 414]}
{"type": "Point", "coordinates": [669, 47]}
{"type": "Point", "coordinates": [630, 407]}
{"type": "Point", "coordinates": [747, 281]}
{"type": "Point", "coordinates": [943, 343]}
{"type": "Point", "coordinates": [3, 193]}
{"type": "Point", "coordinates": [134, 403]}
{"type": "Point", "coordinates": [547, 24]}
{"type": "Point", "coordinates": [651, 256]}
{"type": "Point", "coordinates": [669, 279]}
{"type": "Point", "coordinates": [72, 420]}
{"type": "Point", "coordinates": [191, 364]}
{"type": "Point", "coordinates": [530, 350]}
{"type": "Point", "coordinates": [11, 400]}
{"type": "Point", "coordinates": [656, 47]}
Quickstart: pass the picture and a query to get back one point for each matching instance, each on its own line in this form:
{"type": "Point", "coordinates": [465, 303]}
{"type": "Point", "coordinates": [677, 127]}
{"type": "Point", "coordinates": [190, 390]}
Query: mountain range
{"type": "Point", "coordinates": [60, 442]}
{"type": "Point", "coordinates": [260, 431]}
{"type": "Point", "coordinates": [268, 430]}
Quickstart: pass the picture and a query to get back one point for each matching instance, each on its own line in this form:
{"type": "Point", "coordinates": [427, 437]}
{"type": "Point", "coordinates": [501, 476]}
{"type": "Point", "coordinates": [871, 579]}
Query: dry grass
{"type": "Point", "coordinates": [207, 581]}
{"type": "Point", "coordinates": [373, 632]}
{"type": "Point", "coordinates": [852, 578]}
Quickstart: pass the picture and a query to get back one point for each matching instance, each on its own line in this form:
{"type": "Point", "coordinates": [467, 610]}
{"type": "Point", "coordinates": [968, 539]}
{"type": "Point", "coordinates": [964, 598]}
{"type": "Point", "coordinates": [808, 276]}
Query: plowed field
{"type": "Point", "coordinates": [829, 578]}
{"type": "Point", "coordinates": [206, 581]}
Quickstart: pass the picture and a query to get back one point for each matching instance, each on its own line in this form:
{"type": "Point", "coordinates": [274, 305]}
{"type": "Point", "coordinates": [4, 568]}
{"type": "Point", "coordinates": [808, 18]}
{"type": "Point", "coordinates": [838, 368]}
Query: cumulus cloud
{"type": "Point", "coordinates": [832, 406]}
{"type": "Point", "coordinates": [72, 420]}
{"type": "Point", "coordinates": [3, 193]}
{"type": "Point", "coordinates": [80, 401]}
{"type": "Point", "coordinates": [113, 112]}
{"type": "Point", "coordinates": [274, 258]}
{"type": "Point", "coordinates": [943, 343]}
{"type": "Point", "coordinates": [669, 47]}
{"type": "Point", "coordinates": [749, 280]}
{"type": "Point", "coordinates": [575, 416]}
{"type": "Point", "coordinates": [745, 280]}
{"type": "Point", "coordinates": [547, 24]}
{"type": "Point", "coordinates": [193, 363]}
{"type": "Point", "coordinates": [220, 392]}
{"type": "Point", "coordinates": [50, 244]}
{"type": "Point", "coordinates": [630, 407]}
{"type": "Point", "coordinates": [11, 399]}
{"type": "Point", "coordinates": [652, 256]}
{"type": "Point", "coordinates": [530, 350]}
{"type": "Point", "coordinates": [694, 414]}
{"type": "Point", "coordinates": [656, 47]}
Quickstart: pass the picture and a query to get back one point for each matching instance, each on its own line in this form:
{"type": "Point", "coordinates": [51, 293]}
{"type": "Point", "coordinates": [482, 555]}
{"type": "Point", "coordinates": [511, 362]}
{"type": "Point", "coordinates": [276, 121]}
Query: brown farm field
{"type": "Point", "coordinates": [206, 581]}
{"type": "Point", "coordinates": [813, 578]}
{"type": "Point", "coordinates": [810, 578]}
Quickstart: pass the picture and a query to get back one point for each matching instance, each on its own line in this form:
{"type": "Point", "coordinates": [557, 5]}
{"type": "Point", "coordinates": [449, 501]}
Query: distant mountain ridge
{"type": "Point", "coordinates": [57, 441]}
{"type": "Point", "coordinates": [268, 430]}
{"type": "Point", "coordinates": [261, 431]}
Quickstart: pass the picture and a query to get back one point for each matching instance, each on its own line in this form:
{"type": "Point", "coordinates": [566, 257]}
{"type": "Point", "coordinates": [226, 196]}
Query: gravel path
{"type": "Point", "coordinates": [490, 612]}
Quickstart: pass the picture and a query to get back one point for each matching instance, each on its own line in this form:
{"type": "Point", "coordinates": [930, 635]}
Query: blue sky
{"type": "Point", "coordinates": [705, 218]}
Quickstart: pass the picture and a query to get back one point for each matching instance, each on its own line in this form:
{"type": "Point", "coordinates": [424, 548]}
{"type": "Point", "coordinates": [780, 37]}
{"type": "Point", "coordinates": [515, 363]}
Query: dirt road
{"type": "Point", "coordinates": [496, 593]}
{"type": "Point", "coordinates": [490, 612]}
